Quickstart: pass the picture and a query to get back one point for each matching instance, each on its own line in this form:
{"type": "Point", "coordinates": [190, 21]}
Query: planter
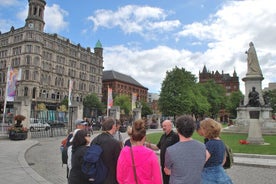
{"type": "Point", "coordinates": [18, 135]}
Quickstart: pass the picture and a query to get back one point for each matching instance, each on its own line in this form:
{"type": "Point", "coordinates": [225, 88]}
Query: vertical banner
{"type": "Point", "coordinates": [71, 82]}
{"type": "Point", "coordinates": [109, 98]}
{"type": "Point", "coordinates": [13, 76]}
{"type": "Point", "coordinates": [133, 100]}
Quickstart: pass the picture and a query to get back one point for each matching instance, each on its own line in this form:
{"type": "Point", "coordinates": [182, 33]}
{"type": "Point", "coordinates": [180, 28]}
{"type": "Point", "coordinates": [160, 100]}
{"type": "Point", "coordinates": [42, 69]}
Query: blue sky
{"type": "Point", "coordinates": [146, 38]}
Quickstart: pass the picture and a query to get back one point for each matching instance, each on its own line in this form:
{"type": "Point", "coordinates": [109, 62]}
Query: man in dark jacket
{"type": "Point", "coordinates": [167, 139]}
{"type": "Point", "coordinates": [111, 149]}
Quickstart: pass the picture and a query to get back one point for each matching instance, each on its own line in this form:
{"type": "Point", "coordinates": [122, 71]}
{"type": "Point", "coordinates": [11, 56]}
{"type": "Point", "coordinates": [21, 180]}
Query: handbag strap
{"type": "Point", "coordinates": [133, 165]}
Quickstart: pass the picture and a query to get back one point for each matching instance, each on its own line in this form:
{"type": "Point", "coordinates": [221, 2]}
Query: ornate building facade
{"type": "Point", "coordinates": [48, 62]}
{"type": "Point", "coordinates": [230, 83]}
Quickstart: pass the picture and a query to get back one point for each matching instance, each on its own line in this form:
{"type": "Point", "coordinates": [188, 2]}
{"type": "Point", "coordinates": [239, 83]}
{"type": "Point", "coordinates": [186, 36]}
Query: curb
{"type": "Point", "coordinates": [29, 171]}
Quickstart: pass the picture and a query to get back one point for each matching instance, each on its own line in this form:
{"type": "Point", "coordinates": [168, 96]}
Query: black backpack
{"type": "Point", "coordinates": [93, 166]}
{"type": "Point", "coordinates": [64, 155]}
{"type": "Point", "coordinates": [229, 157]}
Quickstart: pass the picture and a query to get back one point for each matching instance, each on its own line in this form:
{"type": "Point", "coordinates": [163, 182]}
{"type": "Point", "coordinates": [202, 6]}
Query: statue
{"type": "Point", "coordinates": [253, 98]}
{"type": "Point", "coordinates": [253, 66]}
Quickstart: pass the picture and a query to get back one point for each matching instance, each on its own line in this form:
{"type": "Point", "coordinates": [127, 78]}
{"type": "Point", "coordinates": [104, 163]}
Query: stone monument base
{"type": "Point", "coordinates": [254, 132]}
{"type": "Point", "coordinates": [242, 122]}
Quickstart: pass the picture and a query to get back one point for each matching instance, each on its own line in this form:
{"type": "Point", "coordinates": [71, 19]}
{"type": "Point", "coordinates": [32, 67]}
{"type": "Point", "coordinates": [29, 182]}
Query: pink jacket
{"type": "Point", "coordinates": [147, 166]}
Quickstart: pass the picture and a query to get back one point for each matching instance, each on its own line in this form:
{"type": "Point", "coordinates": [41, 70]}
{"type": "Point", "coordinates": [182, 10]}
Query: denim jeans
{"type": "Point", "coordinates": [215, 175]}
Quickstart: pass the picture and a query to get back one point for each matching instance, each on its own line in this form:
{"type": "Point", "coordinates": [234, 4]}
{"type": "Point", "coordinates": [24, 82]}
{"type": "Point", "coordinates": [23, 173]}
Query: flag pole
{"type": "Point", "coordinates": [5, 98]}
{"type": "Point", "coordinates": [107, 105]}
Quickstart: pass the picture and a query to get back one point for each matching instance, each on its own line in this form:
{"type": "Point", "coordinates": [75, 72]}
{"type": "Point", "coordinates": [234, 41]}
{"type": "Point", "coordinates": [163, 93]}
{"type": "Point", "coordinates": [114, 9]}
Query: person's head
{"type": "Point", "coordinates": [185, 126]}
{"type": "Point", "coordinates": [129, 130]}
{"type": "Point", "coordinates": [80, 124]}
{"type": "Point", "coordinates": [81, 137]}
{"type": "Point", "coordinates": [138, 130]}
{"type": "Point", "coordinates": [109, 125]}
{"type": "Point", "coordinates": [167, 126]}
{"type": "Point", "coordinates": [211, 129]}
{"type": "Point", "coordinates": [118, 124]}
{"type": "Point", "coordinates": [198, 129]}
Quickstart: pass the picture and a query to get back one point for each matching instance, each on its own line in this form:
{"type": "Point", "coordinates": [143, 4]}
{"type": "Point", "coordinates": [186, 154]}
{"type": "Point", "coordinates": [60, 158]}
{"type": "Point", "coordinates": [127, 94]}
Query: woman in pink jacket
{"type": "Point", "coordinates": [146, 163]}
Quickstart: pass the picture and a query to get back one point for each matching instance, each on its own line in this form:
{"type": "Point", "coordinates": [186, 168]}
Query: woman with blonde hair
{"type": "Point", "coordinates": [213, 171]}
{"type": "Point", "coordinates": [137, 163]}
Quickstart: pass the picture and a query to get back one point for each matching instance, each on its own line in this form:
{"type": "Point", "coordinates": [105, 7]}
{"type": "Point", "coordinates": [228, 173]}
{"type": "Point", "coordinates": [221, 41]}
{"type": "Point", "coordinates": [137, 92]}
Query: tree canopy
{"type": "Point", "coordinates": [124, 102]}
{"type": "Point", "coordinates": [177, 93]}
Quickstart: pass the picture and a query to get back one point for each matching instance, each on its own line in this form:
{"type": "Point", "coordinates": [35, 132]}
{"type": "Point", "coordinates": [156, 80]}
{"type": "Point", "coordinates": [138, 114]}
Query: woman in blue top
{"type": "Point", "coordinates": [213, 172]}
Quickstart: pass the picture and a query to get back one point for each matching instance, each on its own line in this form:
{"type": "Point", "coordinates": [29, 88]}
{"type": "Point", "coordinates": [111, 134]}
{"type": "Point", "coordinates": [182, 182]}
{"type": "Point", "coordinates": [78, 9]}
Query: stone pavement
{"type": "Point", "coordinates": [15, 169]}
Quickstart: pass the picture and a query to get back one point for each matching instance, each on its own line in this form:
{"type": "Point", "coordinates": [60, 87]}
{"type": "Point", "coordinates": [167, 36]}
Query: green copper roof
{"type": "Point", "coordinates": [98, 44]}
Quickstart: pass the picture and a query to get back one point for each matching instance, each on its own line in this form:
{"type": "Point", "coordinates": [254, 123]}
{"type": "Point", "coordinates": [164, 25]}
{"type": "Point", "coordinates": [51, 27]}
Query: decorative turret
{"type": "Point", "coordinates": [98, 49]}
{"type": "Point", "coordinates": [35, 19]}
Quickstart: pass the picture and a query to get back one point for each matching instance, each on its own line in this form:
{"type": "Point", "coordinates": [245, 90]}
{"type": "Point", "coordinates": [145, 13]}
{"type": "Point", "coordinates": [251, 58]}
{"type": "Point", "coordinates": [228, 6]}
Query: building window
{"type": "Point", "coordinates": [26, 91]}
{"type": "Point", "coordinates": [27, 73]}
{"type": "Point", "coordinates": [28, 60]}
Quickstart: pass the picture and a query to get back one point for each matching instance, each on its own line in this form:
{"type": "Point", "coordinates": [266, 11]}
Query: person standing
{"type": "Point", "coordinates": [213, 171]}
{"type": "Point", "coordinates": [111, 149]}
{"type": "Point", "coordinates": [65, 145]}
{"type": "Point", "coordinates": [79, 141]}
{"type": "Point", "coordinates": [185, 160]}
{"type": "Point", "coordinates": [136, 163]}
{"type": "Point", "coordinates": [117, 135]}
{"type": "Point", "coordinates": [167, 139]}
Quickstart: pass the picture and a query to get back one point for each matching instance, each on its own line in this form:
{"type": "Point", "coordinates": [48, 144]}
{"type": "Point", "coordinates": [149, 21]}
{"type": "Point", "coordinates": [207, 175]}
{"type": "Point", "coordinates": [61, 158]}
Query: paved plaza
{"type": "Point", "coordinates": [39, 161]}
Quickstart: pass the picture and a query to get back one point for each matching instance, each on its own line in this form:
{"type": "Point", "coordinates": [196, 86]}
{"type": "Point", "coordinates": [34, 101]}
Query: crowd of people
{"type": "Point", "coordinates": [133, 160]}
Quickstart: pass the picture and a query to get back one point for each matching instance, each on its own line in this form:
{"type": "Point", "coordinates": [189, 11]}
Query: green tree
{"type": "Point", "coordinates": [124, 102]}
{"type": "Point", "coordinates": [91, 103]}
{"type": "Point", "coordinates": [64, 102]}
{"type": "Point", "coordinates": [201, 105]}
{"type": "Point", "coordinates": [271, 97]}
{"type": "Point", "coordinates": [146, 110]}
{"type": "Point", "coordinates": [215, 95]}
{"type": "Point", "coordinates": [176, 92]}
{"type": "Point", "coordinates": [233, 102]}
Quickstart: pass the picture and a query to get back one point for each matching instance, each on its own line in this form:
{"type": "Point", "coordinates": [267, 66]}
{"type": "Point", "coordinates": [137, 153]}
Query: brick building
{"type": "Point", "coordinates": [122, 84]}
{"type": "Point", "coordinates": [230, 83]}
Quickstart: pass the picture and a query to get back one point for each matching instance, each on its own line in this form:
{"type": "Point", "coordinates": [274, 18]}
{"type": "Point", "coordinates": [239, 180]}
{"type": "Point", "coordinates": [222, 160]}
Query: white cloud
{"type": "Point", "coordinates": [54, 19]}
{"type": "Point", "coordinates": [134, 19]}
{"type": "Point", "coordinates": [227, 34]}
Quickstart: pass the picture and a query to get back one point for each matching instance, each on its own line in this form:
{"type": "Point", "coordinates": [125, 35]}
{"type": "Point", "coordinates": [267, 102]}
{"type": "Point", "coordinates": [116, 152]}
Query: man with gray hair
{"type": "Point", "coordinates": [111, 149]}
{"type": "Point", "coordinates": [167, 139]}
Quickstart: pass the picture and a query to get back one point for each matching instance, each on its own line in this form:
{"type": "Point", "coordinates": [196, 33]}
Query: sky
{"type": "Point", "coordinates": [147, 38]}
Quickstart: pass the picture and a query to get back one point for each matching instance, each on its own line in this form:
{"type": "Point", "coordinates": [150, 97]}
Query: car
{"type": "Point", "coordinates": [38, 125]}
{"type": "Point", "coordinates": [56, 124]}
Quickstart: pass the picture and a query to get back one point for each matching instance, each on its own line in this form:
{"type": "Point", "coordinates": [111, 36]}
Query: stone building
{"type": "Point", "coordinates": [230, 83]}
{"type": "Point", "coordinates": [48, 62]}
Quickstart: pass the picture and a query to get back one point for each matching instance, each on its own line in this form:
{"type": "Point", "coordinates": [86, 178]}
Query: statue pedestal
{"type": "Point", "coordinates": [254, 132]}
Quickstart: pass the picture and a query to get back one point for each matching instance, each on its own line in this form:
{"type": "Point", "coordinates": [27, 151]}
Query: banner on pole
{"type": "Point", "coordinates": [13, 75]}
{"type": "Point", "coordinates": [71, 82]}
{"type": "Point", "coordinates": [133, 100]}
{"type": "Point", "coordinates": [109, 98]}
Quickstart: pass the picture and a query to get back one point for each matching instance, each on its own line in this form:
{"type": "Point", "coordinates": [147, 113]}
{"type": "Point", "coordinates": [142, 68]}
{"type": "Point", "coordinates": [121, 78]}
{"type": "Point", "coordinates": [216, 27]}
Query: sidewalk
{"type": "Point", "coordinates": [15, 170]}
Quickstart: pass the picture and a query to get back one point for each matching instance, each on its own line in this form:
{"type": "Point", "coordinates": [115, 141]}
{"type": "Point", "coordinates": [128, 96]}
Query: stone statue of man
{"type": "Point", "coordinates": [253, 67]}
